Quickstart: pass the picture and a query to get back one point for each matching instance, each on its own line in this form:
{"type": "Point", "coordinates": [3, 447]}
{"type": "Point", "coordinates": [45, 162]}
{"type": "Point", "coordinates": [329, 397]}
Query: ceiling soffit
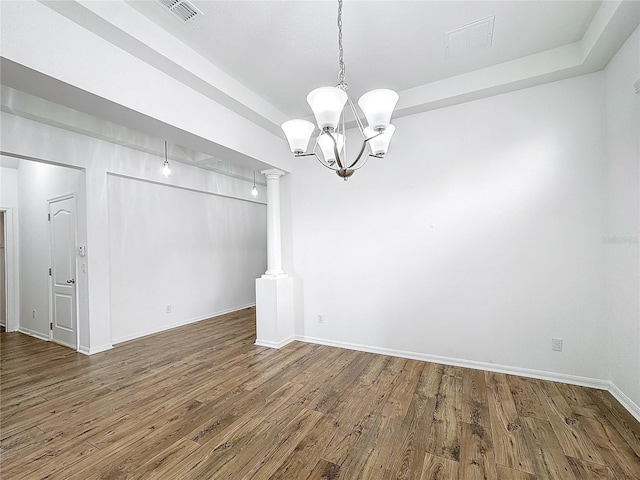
{"type": "Point", "coordinates": [592, 43]}
{"type": "Point", "coordinates": [281, 50]}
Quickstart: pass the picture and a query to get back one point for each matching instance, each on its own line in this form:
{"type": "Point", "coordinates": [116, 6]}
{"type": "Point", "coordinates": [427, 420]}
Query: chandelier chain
{"type": "Point", "coordinates": [341, 74]}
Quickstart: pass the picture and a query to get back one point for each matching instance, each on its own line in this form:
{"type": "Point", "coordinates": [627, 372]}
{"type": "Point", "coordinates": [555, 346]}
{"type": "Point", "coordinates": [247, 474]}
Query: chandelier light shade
{"type": "Point", "coordinates": [298, 134]}
{"type": "Point", "coordinates": [377, 106]}
{"type": "Point", "coordinates": [327, 144]}
{"type": "Point", "coordinates": [328, 105]}
{"type": "Point", "coordinates": [379, 144]}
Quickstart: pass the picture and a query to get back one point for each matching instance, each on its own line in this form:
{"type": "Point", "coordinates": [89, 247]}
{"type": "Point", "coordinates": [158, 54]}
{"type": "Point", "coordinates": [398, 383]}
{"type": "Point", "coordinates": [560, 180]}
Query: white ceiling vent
{"type": "Point", "coordinates": [475, 36]}
{"type": "Point", "coordinates": [182, 9]}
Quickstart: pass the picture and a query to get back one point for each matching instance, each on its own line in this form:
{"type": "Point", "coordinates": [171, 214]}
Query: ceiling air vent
{"type": "Point", "coordinates": [475, 36]}
{"type": "Point", "coordinates": [182, 9]}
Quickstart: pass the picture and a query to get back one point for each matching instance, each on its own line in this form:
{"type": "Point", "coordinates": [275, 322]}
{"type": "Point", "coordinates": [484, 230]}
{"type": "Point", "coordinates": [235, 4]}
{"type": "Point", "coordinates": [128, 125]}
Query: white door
{"type": "Point", "coordinates": [62, 223]}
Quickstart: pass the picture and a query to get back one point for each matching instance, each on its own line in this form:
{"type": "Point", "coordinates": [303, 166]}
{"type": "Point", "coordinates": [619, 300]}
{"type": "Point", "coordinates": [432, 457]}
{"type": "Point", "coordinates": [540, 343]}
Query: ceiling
{"type": "Point", "coordinates": [260, 59]}
{"type": "Point", "coordinates": [281, 50]}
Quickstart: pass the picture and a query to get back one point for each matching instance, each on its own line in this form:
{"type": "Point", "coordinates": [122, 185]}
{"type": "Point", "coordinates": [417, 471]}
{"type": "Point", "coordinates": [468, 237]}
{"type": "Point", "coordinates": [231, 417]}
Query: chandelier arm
{"type": "Point", "coordinates": [324, 164]}
{"type": "Point", "coordinates": [363, 163]}
{"type": "Point", "coordinates": [314, 154]}
{"type": "Point", "coordinates": [365, 143]}
{"type": "Point", "coordinates": [356, 116]}
{"type": "Point", "coordinates": [335, 150]}
{"type": "Point", "coordinates": [345, 152]}
{"type": "Point", "coordinates": [374, 136]}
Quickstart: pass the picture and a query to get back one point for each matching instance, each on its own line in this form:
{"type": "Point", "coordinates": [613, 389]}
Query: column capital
{"type": "Point", "coordinates": [273, 173]}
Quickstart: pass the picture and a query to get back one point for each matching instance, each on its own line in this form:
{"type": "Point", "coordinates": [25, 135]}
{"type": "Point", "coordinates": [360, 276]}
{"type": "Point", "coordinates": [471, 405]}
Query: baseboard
{"type": "Point", "coordinates": [81, 349]}
{"type": "Point", "coordinates": [93, 351]}
{"type": "Point", "coordinates": [267, 343]}
{"type": "Point", "coordinates": [181, 323]}
{"type": "Point", "coordinates": [33, 333]}
{"type": "Point", "coordinates": [625, 401]}
{"type": "Point", "coordinates": [456, 362]}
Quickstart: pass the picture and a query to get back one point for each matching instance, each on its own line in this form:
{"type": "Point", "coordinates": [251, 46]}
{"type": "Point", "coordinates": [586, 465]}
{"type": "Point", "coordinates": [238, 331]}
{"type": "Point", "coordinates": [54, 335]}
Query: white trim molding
{"type": "Point", "coordinates": [457, 362]}
{"type": "Point", "coordinates": [171, 326]}
{"type": "Point", "coordinates": [12, 271]}
{"type": "Point", "coordinates": [33, 333]}
{"type": "Point", "coordinates": [268, 344]}
{"type": "Point", "coordinates": [81, 349]}
{"type": "Point", "coordinates": [599, 384]}
{"type": "Point", "coordinates": [625, 401]}
{"type": "Point", "coordinates": [93, 351]}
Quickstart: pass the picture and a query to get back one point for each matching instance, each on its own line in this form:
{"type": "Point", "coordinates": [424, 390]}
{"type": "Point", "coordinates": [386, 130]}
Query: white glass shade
{"type": "Point", "coordinates": [298, 133]}
{"type": "Point", "coordinates": [326, 145]}
{"type": "Point", "coordinates": [377, 106]}
{"type": "Point", "coordinates": [254, 191]}
{"type": "Point", "coordinates": [327, 104]}
{"type": "Point", "coordinates": [380, 144]}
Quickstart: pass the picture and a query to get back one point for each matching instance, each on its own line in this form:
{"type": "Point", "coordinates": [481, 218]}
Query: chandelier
{"type": "Point", "coordinates": [327, 104]}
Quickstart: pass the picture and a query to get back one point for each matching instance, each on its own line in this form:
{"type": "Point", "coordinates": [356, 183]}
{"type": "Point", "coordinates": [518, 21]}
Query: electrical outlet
{"type": "Point", "coordinates": [167, 309]}
{"type": "Point", "coordinates": [33, 314]}
{"type": "Point", "coordinates": [556, 344]}
{"type": "Point", "coordinates": [320, 318]}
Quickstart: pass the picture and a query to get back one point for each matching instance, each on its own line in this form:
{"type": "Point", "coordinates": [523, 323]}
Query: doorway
{"type": "Point", "coordinates": [3, 276]}
{"type": "Point", "coordinates": [63, 247]}
{"type": "Point", "coordinates": [9, 302]}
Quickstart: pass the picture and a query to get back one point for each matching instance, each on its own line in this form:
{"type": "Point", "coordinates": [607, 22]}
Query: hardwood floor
{"type": "Point", "coordinates": [202, 401]}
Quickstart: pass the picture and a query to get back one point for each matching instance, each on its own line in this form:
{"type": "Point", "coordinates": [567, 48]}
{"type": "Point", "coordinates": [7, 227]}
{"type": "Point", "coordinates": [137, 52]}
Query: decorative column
{"type": "Point", "coordinates": [274, 290]}
{"type": "Point", "coordinates": [274, 243]}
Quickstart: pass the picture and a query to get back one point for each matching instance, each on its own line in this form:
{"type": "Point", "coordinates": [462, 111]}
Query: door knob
{"type": "Point", "coordinates": [73, 280]}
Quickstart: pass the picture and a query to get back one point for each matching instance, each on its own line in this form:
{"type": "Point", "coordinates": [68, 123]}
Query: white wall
{"type": "Point", "coordinates": [8, 186]}
{"type": "Point", "coordinates": [197, 252]}
{"type": "Point", "coordinates": [9, 204]}
{"type": "Point", "coordinates": [623, 218]}
{"type": "Point", "coordinates": [102, 160]}
{"type": "Point", "coordinates": [3, 291]}
{"type": "Point", "coordinates": [37, 183]}
{"type": "Point", "coordinates": [477, 239]}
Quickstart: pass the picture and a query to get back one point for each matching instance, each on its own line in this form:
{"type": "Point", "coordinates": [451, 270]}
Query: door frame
{"type": "Point", "coordinates": [11, 271]}
{"type": "Point", "coordinates": [67, 196]}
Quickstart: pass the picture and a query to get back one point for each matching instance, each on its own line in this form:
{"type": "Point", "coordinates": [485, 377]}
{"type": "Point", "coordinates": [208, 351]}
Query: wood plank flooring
{"type": "Point", "coordinates": [203, 401]}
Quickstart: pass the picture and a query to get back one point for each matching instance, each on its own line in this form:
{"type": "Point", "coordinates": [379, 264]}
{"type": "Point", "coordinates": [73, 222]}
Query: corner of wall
{"type": "Point", "coordinates": [625, 401]}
